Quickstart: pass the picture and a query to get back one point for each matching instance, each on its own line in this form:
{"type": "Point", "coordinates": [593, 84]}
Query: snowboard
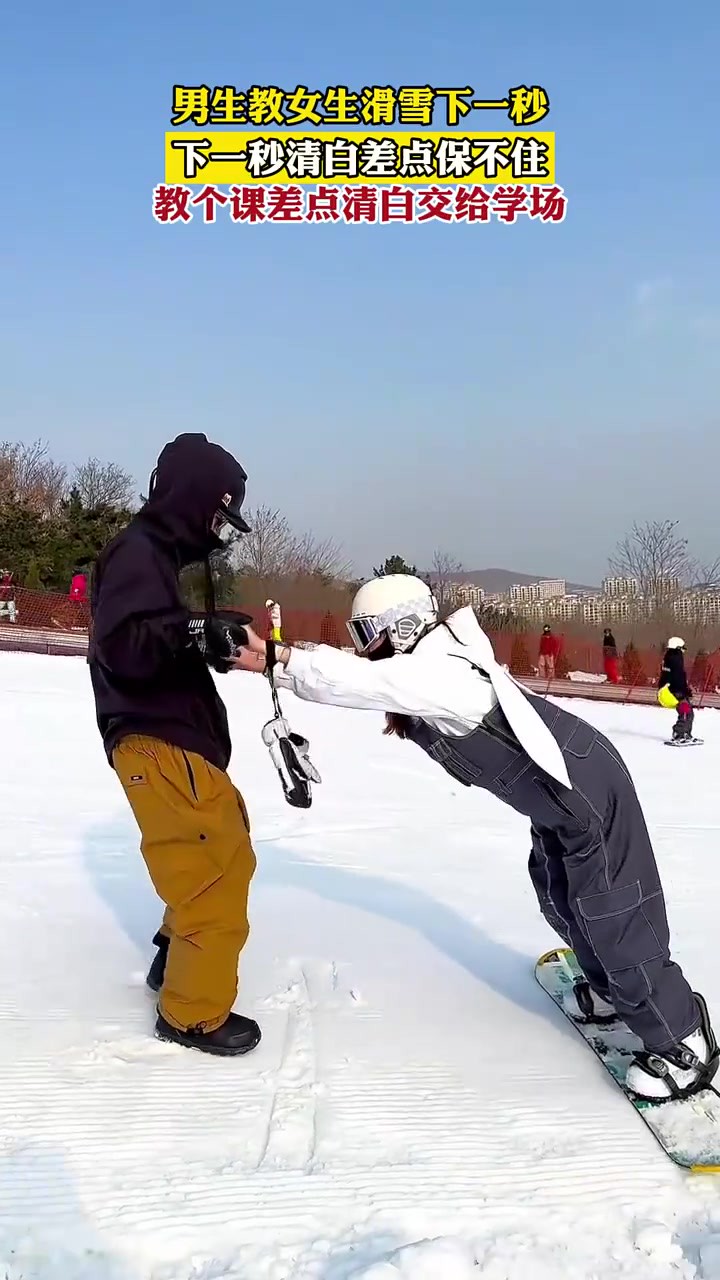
{"type": "Point", "coordinates": [688, 1129]}
{"type": "Point", "coordinates": [684, 742]}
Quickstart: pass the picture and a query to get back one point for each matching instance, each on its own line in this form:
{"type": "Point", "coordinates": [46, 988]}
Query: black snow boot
{"type": "Point", "coordinates": [156, 972]}
{"type": "Point", "coordinates": [236, 1035]}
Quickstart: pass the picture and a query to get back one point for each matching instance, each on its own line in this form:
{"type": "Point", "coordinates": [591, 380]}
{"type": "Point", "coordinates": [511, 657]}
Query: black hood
{"type": "Point", "coordinates": [187, 487]}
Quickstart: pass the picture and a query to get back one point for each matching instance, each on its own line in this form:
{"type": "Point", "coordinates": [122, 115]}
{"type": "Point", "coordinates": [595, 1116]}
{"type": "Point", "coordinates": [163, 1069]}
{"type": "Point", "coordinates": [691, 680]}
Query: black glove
{"type": "Point", "coordinates": [218, 636]}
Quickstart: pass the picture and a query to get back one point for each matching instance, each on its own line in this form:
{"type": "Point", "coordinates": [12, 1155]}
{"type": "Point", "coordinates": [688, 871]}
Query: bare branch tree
{"type": "Point", "coordinates": [320, 559]}
{"type": "Point", "coordinates": [705, 573]}
{"type": "Point", "coordinates": [33, 478]}
{"type": "Point", "coordinates": [267, 551]}
{"type": "Point", "coordinates": [104, 484]}
{"type": "Point", "coordinates": [657, 557]}
{"type": "Point", "coordinates": [698, 606]}
{"type": "Point", "coordinates": [445, 570]}
{"type": "Point", "coordinates": [272, 550]}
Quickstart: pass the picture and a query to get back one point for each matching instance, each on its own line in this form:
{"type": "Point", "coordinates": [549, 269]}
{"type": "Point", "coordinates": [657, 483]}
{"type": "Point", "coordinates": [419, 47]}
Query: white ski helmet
{"type": "Point", "coordinates": [676, 642]}
{"type": "Point", "coordinates": [397, 605]}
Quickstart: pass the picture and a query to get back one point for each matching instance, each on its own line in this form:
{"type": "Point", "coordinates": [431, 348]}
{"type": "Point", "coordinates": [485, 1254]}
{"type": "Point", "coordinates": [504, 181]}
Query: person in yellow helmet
{"type": "Point", "coordinates": [674, 690]}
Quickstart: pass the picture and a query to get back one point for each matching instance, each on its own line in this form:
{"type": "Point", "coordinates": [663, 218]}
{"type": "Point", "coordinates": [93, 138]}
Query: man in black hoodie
{"type": "Point", "coordinates": [674, 678]}
{"type": "Point", "coordinates": [165, 733]}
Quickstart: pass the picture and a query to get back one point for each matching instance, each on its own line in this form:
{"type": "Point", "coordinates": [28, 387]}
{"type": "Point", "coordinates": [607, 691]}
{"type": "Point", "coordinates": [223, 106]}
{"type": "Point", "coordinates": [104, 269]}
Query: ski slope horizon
{"type": "Point", "coordinates": [416, 1110]}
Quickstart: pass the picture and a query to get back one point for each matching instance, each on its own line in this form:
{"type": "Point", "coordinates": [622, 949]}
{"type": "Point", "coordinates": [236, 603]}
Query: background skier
{"type": "Point", "coordinates": [7, 596]}
{"type": "Point", "coordinates": [78, 586]}
{"type": "Point", "coordinates": [610, 657]}
{"type": "Point", "coordinates": [548, 651]}
{"type": "Point", "coordinates": [592, 863]}
{"type": "Point", "coordinates": [165, 732]}
{"type": "Point", "coordinates": [674, 690]}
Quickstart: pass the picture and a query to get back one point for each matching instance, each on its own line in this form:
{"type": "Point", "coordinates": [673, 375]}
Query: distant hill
{"type": "Point", "coordinates": [499, 581]}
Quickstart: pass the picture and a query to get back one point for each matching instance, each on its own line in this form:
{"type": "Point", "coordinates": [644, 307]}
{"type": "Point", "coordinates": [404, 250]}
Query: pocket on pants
{"type": "Point", "coordinates": [581, 741]}
{"type": "Point", "coordinates": [243, 810]}
{"type": "Point", "coordinates": [191, 775]}
{"type": "Point", "coordinates": [618, 929]}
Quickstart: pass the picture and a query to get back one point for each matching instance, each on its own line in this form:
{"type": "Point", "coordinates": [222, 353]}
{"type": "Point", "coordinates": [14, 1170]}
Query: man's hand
{"type": "Point", "coordinates": [218, 636]}
{"type": "Point", "coordinates": [252, 656]}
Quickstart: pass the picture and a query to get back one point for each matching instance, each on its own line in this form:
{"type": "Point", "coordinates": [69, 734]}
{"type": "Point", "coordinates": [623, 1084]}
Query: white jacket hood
{"type": "Point", "coordinates": [530, 730]}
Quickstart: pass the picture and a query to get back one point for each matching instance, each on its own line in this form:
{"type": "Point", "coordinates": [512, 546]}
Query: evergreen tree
{"type": "Point", "coordinates": [25, 536]}
{"type": "Point", "coordinates": [32, 580]}
{"type": "Point", "coordinates": [520, 664]}
{"type": "Point", "coordinates": [395, 564]}
{"type": "Point", "coordinates": [562, 666]}
{"type": "Point", "coordinates": [631, 666]}
{"type": "Point", "coordinates": [79, 535]}
{"type": "Point", "coordinates": [701, 673]}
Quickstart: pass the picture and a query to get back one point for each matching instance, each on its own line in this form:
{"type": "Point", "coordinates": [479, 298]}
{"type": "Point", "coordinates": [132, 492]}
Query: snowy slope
{"type": "Point", "coordinates": [416, 1109]}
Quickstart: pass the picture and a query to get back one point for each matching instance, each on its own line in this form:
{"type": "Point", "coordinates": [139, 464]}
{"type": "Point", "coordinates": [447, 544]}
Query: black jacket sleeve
{"type": "Point", "coordinates": [673, 674]}
{"type": "Point", "coordinates": [139, 620]}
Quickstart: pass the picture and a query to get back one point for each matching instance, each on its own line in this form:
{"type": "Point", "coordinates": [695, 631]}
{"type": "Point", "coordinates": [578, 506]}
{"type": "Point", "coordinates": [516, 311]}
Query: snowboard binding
{"type": "Point", "coordinates": [683, 1058]}
{"type": "Point", "coordinates": [584, 998]}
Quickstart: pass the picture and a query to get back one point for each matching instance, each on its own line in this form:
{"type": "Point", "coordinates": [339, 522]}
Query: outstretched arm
{"type": "Point", "coordinates": [441, 687]}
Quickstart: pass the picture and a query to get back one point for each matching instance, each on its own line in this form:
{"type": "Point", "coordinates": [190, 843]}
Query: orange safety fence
{"type": "Point", "coordinates": [45, 610]}
{"type": "Point", "coordinates": [45, 621]}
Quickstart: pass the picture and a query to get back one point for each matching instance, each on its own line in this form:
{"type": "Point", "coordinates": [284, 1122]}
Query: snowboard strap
{"type": "Point", "coordinates": [680, 1056]}
{"type": "Point", "coordinates": [583, 995]}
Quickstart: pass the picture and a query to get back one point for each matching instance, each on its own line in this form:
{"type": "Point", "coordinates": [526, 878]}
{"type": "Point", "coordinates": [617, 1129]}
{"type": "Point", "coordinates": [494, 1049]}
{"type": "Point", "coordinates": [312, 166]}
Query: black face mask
{"type": "Point", "coordinates": [384, 650]}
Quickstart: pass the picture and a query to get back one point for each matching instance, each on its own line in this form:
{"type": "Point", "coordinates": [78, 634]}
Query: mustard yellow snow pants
{"type": "Point", "coordinates": [195, 840]}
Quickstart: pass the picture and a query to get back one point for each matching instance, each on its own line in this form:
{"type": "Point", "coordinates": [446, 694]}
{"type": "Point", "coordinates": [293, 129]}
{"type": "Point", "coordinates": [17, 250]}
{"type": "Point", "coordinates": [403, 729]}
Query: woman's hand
{"type": "Point", "coordinates": [248, 660]}
{"type": "Point", "coordinates": [251, 656]}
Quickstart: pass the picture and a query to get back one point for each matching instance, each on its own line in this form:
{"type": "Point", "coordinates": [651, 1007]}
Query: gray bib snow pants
{"type": "Point", "coordinates": [592, 864]}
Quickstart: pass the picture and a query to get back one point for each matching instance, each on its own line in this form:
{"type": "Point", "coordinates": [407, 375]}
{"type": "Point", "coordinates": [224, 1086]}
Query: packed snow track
{"type": "Point", "coordinates": [417, 1109]}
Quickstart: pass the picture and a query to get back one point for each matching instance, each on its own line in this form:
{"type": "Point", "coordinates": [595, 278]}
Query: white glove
{"type": "Point", "coordinates": [289, 754]}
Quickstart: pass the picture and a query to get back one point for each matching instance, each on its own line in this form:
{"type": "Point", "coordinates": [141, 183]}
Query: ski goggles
{"type": "Point", "coordinates": [363, 632]}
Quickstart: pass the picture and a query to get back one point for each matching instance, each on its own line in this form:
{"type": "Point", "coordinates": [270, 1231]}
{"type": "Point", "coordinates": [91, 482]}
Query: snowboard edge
{"type": "Point", "coordinates": [610, 1044]}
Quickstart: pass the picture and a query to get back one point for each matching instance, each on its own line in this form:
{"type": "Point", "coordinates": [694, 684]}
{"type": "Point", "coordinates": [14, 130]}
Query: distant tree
{"type": "Point", "coordinates": [631, 666]}
{"type": "Point", "coordinates": [320, 558]}
{"type": "Point", "coordinates": [266, 551]}
{"type": "Point", "coordinates": [395, 564]}
{"type": "Point", "coordinates": [25, 536]}
{"type": "Point", "coordinates": [272, 550]}
{"type": "Point", "coordinates": [104, 484]}
{"type": "Point", "coordinates": [520, 664]}
{"type": "Point", "coordinates": [79, 534]}
{"type": "Point", "coordinates": [701, 673]}
{"type": "Point", "coordinates": [224, 577]}
{"type": "Point", "coordinates": [32, 580]}
{"type": "Point", "coordinates": [562, 666]}
{"type": "Point", "coordinates": [30, 477]}
{"type": "Point", "coordinates": [443, 576]}
{"type": "Point", "coordinates": [497, 617]}
{"type": "Point", "coordinates": [657, 556]}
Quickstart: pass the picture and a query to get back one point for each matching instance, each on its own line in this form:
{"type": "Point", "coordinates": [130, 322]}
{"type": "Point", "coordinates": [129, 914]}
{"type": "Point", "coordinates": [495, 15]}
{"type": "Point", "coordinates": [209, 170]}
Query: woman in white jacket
{"type": "Point", "coordinates": [591, 863]}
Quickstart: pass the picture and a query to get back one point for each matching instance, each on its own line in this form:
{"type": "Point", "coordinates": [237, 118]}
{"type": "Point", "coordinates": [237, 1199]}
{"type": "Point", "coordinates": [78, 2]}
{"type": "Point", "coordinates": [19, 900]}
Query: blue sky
{"type": "Point", "coordinates": [516, 395]}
